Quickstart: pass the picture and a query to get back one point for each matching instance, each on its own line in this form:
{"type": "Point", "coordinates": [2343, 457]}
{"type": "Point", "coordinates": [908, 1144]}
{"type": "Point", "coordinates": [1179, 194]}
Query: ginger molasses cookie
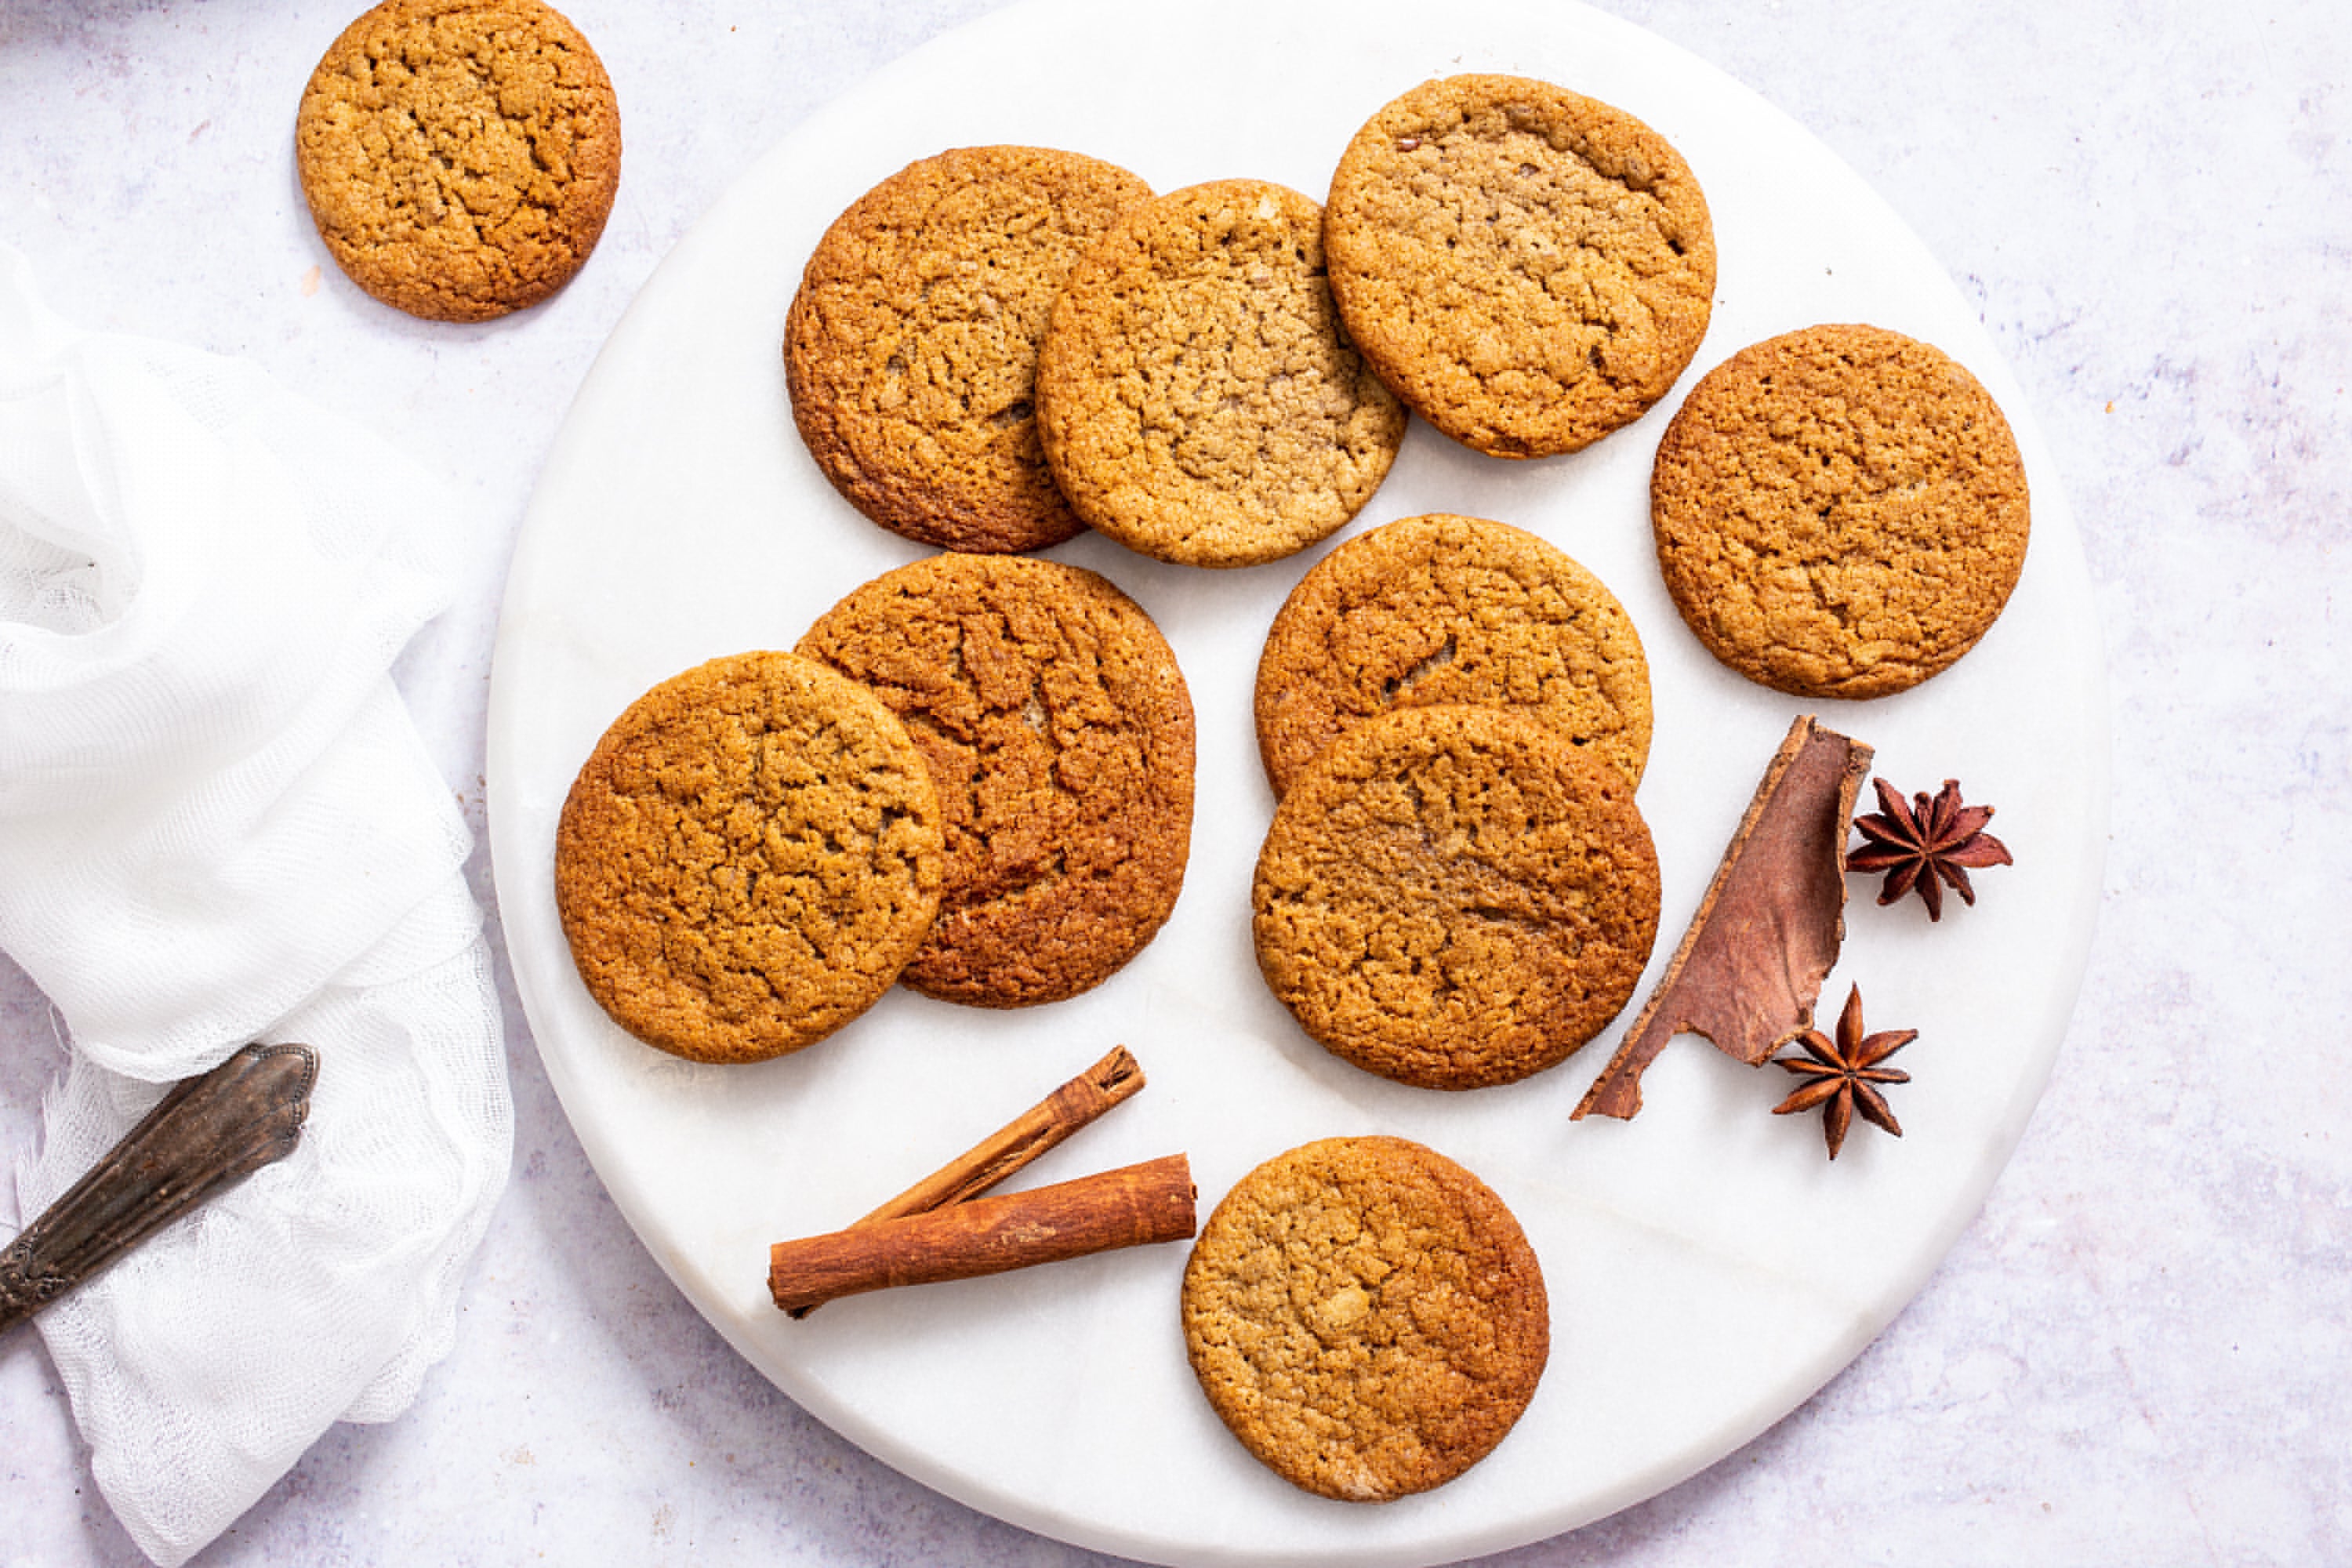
{"type": "Point", "coordinates": [1198, 399]}
{"type": "Point", "coordinates": [1058, 730]}
{"type": "Point", "coordinates": [910, 350]}
{"type": "Point", "coordinates": [459, 156]}
{"type": "Point", "coordinates": [1366, 1316]}
{"type": "Point", "coordinates": [748, 859]}
{"type": "Point", "coordinates": [1444, 609]}
{"type": "Point", "coordinates": [1841, 512]}
{"type": "Point", "coordinates": [1455, 897]}
{"type": "Point", "coordinates": [1528, 269]}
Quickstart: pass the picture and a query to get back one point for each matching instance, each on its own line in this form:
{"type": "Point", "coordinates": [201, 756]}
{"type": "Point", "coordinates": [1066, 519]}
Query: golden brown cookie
{"type": "Point", "coordinates": [911, 348]}
{"type": "Point", "coordinates": [748, 859]}
{"type": "Point", "coordinates": [1840, 511]}
{"type": "Point", "coordinates": [1059, 733]}
{"type": "Point", "coordinates": [1198, 400]}
{"type": "Point", "coordinates": [1445, 609]}
{"type": "Point", "coordinates": [459, 156]}
{"type": "Point", "coordinates": [1455, 897]}
{"type": "Point", "coordinates": [1528, 269]}
{"type": "Point", "coordinates": [1366, 1316]}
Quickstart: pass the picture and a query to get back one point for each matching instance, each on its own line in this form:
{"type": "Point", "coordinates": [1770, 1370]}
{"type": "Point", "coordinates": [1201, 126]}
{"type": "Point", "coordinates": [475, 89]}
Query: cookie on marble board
{"type": "Point", "coordinates": [1446, 609]}
{"type": "Point", "coordinates": [1198, 398]}
{"type": "Point", "coordinates": [1528, 268]}
{"type": "Point", "coordinates": [1840, 511]}
{"type": "Point", "coordinates": [911, 349]}
{"type": "Point", "coordinates": [459, 157]}
{"type": "Point", "coordinates": [748, 859]}
{"type": "Point", "coordinates": [1059, 732]}
{"type": "Point", "coordinates": [1455, 897]}
{"type": "Point", "coordinates": [1366, 1316]}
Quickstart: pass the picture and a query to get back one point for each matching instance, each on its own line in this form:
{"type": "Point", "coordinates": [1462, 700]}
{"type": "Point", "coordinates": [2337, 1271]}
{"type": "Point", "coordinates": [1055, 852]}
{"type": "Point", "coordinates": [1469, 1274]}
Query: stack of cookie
{"type": "Point", "coordinates": [999, 345]}
{"type": "Point", "coordinates": [1457, 889]}
{"type": "Point", "coordinates": [974, 775]}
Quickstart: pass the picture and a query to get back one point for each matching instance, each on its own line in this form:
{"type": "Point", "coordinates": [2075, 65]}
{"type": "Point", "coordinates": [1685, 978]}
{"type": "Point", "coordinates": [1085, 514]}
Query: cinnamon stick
{"type": "Point", "coordinates": [1133, 1206]}
{"type": "Point", "coordinates": [1017, 1142]}
{"type": "Point", "coordinates": [1022, 1140]}
{"type": "Point", "coordinates": [1751, 964]}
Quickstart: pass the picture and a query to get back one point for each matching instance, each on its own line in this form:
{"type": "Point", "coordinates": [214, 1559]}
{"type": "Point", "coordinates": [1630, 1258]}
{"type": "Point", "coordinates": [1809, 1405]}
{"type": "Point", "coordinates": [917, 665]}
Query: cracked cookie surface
{"type": "Point", "coordinates": [1366, 1317]}
{"type": "Point", "coordinates": [1840, 511]}
{"type": "Point", "coordinates": [1059, 733]}
{"type": "Point", "coordinates": [910, 350]}
{"type": "Point", "coordinates": [1198, 399]}
{"type": "Point", "coordinates": [1455, 897]}
{"type": "Point", "coordinates": [1528, 269]}
{"type": "Point", "coordinates": [1446, 609]}
{"type": "Point", "coordinates": [748, 859]}
{"type": "Point", "coordinates": [459, 156]}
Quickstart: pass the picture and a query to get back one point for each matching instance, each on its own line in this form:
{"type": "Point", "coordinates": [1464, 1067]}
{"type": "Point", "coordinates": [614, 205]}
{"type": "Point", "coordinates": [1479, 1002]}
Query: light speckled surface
{"type": "Point", "coordinates": [2143, 1349]}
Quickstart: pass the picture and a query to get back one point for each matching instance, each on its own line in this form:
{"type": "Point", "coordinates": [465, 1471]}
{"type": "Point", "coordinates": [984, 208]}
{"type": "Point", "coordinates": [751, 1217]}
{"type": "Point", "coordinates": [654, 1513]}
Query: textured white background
{"type": "Point", "coordinates": [2142, 1352]}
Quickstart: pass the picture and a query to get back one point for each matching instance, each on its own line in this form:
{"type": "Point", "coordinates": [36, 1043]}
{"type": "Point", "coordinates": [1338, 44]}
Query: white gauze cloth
{"type": "Point", "coordinates": [218, 825]}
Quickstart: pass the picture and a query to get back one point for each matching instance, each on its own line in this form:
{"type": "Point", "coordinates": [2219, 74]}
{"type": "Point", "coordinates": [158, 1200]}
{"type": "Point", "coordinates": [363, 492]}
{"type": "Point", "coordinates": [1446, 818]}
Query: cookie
{"type": "Point", "coordinates": [1444, 609]}
{"type": "Point", "coordinates": [1528, 269]}
{"type": "Point", "coordinates": [1455, 897]}
{"type": "Point", "coordinates": [1198, 400]}
{"type": "Point", "coordinates": [1366, 1317]}
{"type": "Point", "coordinates": [1059, 733]}
{"type": "Point", "coordinates": [748, 859]}
{"type": "Point", "coordinates": [910, 350]}
{"type": "Point", "coordinates": [1840, 511]}
{"type": "Point", "coordinates": [459, 156]}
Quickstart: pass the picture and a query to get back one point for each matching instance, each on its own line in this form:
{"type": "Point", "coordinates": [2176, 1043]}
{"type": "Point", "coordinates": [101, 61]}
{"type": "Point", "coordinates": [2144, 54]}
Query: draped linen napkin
{"type": "Point", "coordinates": [218, 825]}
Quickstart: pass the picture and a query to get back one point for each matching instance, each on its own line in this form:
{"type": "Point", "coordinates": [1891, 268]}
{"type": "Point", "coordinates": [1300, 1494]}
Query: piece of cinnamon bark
{"type": "Point", "coordinates": [1133, 1206]}
{"type": "Point", "coordinates": [1751, 964]}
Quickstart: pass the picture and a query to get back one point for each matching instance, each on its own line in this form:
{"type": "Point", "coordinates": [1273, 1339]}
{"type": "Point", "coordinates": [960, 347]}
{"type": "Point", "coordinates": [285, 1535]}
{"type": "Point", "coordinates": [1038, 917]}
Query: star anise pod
{"type": "Point", "coordinates": [1926, 844]}
{"type": "Point", "coordinates": [1839, 1074]}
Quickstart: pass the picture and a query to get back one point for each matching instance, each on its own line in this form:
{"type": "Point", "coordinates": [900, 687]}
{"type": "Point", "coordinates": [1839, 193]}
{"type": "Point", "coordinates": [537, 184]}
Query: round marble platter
{"type": "Point", "coordinates": [1708, 1268]}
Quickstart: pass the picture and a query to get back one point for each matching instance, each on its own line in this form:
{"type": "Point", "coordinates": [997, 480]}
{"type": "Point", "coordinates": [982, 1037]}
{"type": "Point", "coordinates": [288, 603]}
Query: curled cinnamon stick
{"type": "Point", "coordinates": [1132, 1207]}
{"type": "Point", "coordinates": [1022, 1140]}
{"type": "Point", "coordinates": [1017, 1142]}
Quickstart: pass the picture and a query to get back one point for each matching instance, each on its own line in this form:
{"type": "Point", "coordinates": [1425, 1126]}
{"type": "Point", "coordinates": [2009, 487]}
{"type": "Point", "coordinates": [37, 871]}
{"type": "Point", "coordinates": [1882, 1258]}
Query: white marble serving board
{"type": "Point", "coordinates": [1708, 1267]}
